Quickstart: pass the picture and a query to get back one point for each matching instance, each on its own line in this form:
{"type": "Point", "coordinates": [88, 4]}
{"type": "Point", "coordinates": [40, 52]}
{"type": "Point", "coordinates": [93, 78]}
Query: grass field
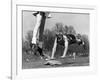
{"type": "Point", "coordinates": [66, 62]}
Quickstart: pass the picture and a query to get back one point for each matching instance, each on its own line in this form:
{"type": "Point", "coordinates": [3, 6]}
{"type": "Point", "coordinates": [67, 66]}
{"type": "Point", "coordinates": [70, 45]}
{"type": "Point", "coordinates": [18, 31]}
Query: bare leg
{"type": "Point", "coordinates": [54, 49]}
{"type": "Point", "coordinates": [74, 55]}
{"type": "Point", "coordinates": [36, 28]}
{"type": "Point", "coordinates": [66, 47]}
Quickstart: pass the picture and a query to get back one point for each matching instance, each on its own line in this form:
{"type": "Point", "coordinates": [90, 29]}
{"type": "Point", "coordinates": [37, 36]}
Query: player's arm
{"type": "Point", "coordinates": [54, 48]}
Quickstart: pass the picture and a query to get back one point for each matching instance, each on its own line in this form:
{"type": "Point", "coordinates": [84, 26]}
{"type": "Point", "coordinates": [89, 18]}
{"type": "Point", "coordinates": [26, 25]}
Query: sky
{"type": "Point", "coordinates": [79, 21]}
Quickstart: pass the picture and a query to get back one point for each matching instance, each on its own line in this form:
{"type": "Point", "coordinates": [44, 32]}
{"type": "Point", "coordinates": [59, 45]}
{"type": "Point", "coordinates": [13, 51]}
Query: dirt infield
{"type": "Point", "coordinates": [66, 62]}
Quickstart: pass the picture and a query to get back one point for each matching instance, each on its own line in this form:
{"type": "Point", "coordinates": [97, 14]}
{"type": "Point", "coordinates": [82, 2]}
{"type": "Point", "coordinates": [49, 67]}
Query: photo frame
{"type": "Point", "coordinates": [16, 62]}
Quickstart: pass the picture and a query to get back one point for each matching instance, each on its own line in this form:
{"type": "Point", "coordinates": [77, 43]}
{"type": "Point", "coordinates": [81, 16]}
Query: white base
{"type": "Point", "coordinates": [53, 62]}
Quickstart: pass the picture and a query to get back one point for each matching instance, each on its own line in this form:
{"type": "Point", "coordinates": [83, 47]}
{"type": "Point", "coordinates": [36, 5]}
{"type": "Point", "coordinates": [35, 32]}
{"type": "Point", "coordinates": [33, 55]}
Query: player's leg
{"type": "Point", "coordinates": [66, 47]}
{"type": "Point", "coordinates": [74, 55]}
{"type": "Point", "coordinates": [36, 28]}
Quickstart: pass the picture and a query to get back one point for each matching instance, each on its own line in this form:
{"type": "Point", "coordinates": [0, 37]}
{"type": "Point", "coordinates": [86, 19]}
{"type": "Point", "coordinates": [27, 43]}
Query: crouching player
{"type": "Point", "coordinates": [65, 40]}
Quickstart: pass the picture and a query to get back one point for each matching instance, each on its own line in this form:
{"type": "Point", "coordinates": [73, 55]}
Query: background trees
{"type": "Point", "coordinates": [49, 36]}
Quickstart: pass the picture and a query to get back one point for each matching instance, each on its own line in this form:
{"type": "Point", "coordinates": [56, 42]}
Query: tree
{"type": "Point", "coordinates": [48, 39]}
{"type": "Point", "coordinates": [59, 27]}
{"type": "Point", "coordinates": [29, 36]}
{"type": "Point", "coordinates": [71, 30]}
{"type": "Point", "coordinates": [66, 29]}
{"type": "Point", "coordinates": [86, 41]}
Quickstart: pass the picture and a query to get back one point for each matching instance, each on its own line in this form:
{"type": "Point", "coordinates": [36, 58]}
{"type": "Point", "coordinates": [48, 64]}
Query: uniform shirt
{"type": "Point", "coordinates": [70, 37]}
{"type": "Point", "coordinates": [60, 39]}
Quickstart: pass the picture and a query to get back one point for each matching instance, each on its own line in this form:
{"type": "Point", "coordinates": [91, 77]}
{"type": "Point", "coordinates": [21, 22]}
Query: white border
{"type": "Point", "coordinates": [17, 71]}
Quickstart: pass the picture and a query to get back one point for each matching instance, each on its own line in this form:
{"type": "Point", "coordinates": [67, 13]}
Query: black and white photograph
{"type": "Point", "coordinates": [55, 39]}
{"type": "Point", "coordinates": [50, 40]}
